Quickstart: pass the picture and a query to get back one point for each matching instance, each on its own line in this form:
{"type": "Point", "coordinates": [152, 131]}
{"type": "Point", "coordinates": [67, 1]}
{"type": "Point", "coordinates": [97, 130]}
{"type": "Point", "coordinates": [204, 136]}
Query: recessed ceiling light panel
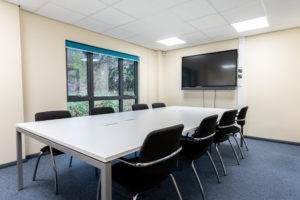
{"type": "Point", "coordinates": [171, 41]}
{"type": "Point", "coordinates": [251, 24]}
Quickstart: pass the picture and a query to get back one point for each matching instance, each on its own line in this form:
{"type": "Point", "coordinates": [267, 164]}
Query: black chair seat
{"type": "Point", "coordinates": [235, 130]}
{"type": "Point", "coordinates": [221, 138]}
{"type": "Point", "coordinates": [46, 149]}
{"type": "Point", "coordinates": [191, 150]}
{"type": "Point", "coordinates": [134, 179]}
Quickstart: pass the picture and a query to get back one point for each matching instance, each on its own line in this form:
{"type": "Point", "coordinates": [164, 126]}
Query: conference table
{"type": "Point", "coordinates": [100, 139]}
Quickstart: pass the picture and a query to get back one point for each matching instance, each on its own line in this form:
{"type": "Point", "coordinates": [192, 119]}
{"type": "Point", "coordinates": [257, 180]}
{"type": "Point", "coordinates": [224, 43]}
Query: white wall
{"type": "Point", "coordinates": [272, 85]}
{"type": "Point", "coordinates": [11, 105]}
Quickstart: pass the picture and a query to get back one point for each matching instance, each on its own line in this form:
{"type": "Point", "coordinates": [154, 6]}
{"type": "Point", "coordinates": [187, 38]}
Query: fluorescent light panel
{"type": "Point", "coordinates": [171, 41]}
{"type": "Point", "coordinates": [251, 24]}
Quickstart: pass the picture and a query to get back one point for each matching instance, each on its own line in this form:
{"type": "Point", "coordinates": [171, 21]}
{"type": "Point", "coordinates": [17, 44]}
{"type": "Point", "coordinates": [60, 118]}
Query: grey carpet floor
{"type": "Point", "coordinates": [270, 171]}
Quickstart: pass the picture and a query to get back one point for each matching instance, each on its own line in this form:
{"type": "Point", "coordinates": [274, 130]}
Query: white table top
{"type": "Point", "coordinates": [110, 136]}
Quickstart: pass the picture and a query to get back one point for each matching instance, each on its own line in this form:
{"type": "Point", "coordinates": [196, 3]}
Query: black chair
{"type": "Point", "coordinates": [97, 111]}
{"type": "Point", "coordinates": [159, 155]}
{"type": "Point", "coordinates": [224, 128]}
{"type": "Point", "coordinates": [50, 115]}
{"type": "Point", "coordinates": [198, 144]}
{"type": "Point", "coordinates": [158, 105]}
{"type": "Point", "coordinates": [101, 110]}
{"type": "Point", "coordinates": [140, 107]}
{"type": "Point", "coordinates": [241, 120]}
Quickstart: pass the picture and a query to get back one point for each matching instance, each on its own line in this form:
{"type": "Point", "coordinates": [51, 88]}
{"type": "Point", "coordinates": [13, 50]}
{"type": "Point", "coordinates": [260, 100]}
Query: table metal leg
{"type": "Point", "coordinates": [105, 182]}
{"type": "Point", "coordinates": [19, 161]}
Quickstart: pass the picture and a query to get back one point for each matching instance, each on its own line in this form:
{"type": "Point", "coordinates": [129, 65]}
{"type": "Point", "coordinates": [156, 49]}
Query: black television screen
{"type": "Point", "coordinates": [213, 70]}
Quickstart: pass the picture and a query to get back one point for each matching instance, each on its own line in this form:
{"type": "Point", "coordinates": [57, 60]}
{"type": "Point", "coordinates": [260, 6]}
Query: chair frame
{"type": "Point", "coordinates": [233, 149]}
{"type": "Point", "coordinates": [196, 139]}
{"type": "Point", "coordinates": [147, 164]}
{"type": "Point", "coordinates": [242, 134]}
{"type": "Point", "coordinates": [51, 154]}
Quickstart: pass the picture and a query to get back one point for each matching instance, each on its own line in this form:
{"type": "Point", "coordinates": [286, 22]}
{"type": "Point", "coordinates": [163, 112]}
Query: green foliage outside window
{"type": "Point", "coordinates": [106, 83]}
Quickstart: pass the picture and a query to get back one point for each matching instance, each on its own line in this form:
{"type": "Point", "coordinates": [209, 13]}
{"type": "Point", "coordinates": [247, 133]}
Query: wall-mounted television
{"type": "Point", "coordinates": [216, 70]}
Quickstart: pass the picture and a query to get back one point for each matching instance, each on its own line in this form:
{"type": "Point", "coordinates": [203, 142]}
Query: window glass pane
{"type": "Point", "coordinates": [77, 72]}
{"type": "Point", "coordinates": [127, 103]}
{"type": "Point", "coordinates": [108, 103]}
{"type": "Point", "coordinates": [128, 77]}
{"type": "Point", "coordinates": [78, 108]}
{"type": "Point", "coordinates": [106, 75]}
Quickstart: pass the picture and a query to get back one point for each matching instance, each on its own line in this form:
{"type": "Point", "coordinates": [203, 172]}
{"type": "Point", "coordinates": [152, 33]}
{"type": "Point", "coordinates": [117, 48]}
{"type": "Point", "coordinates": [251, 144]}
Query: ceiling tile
{"type": "Point", "coordinates": [137, 27]}
{"type": "Point", "coordinates": [281, 12]}
{"type": "Point", "coordinates": [169, 3]}
{"type": "Point", "coordinates": [30, 5]}
{"type": "Point", "coordinates": [119, 33]}
{"type": "Point", "coordinates": [250, 11]}
{"type": "Point", "coordinates": [208, 22]}
{"type": "Point", "coordinates": [193, 9]}
{"type": "Point", "coordinates": [139, 8]}
{"type": "Point", "coordinates": [222, 5]}
{"type": "Point", "coordinates": [110, 2]}
{"type": "Point", "coordinates": [56, 12]}
{"type": "Point", "coordinates": [113, 17]}
{"type": "Point", "coordinates": [166, 24]}
{"type": "Point", "coordinates": [94, 25]}
{"type": "Point", "coordinates": [219, 31]}
{"type": "Point", "coordinates": [195, 36]}
{"type": "Point", "coordinates": [223, 37]}
{"type": "Point", "coordinates": [85, 7]}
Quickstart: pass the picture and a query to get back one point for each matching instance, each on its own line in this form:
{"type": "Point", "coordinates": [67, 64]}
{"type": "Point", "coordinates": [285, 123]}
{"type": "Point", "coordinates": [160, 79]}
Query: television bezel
{"type": "Point", "coordinates": [223, 87]}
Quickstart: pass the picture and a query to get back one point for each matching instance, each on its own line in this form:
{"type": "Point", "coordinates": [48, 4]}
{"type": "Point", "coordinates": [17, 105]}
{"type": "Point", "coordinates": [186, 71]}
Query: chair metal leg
{"type": "Point", "coordinates": [237, 158]}
{"type": "Point", "coordinates": [135, 197]}
{"type": "Point", "coordinates": [55, 172]}
{"type": "Point", "coordinates": [36, 165]}
{"type": "Point", "coordinates": [198, 179]}
{"type": "Point", "coordinates": [99, 188]}
{"type": "Point", "coordinates": [244, 141]}
{"type": "Point", "coordinates": [214, 166]}
{"type": "Point", "coordinates": [96, 171]}
{"type": "Point", "coordinates": [176, 187]}
{"type": "Point", "coordinates": [71, 159]}
{"type": "Point", "coordinates": [238, 146]}
{"type": "Point", "coordinates": [221, 159]}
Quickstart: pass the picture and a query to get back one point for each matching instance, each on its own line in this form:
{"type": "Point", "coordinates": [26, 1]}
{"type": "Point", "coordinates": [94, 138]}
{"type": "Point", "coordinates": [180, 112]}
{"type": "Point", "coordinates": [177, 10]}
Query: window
{"type": "Point", "coordinates": [99, 78]}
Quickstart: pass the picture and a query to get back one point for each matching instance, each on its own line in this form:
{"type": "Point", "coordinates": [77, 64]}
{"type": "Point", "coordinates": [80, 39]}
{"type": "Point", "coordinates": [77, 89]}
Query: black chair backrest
{"type": "Point", "coordinates": [158, 105]}
{"type": "Point", "coordinates": [242, 116]}
{"type": "Point", "coordinates": [207, 127]}
{"type": "Point", "coordinates": [160, 144]}
{"type": "Point", "coordinates": [101, 110]}
{"type": "Point", "coordinates": [140, 107]}
{"type": "Point", "coordinates": [49, 115]}
{"type": "Point", "coordinates": [228, 118]}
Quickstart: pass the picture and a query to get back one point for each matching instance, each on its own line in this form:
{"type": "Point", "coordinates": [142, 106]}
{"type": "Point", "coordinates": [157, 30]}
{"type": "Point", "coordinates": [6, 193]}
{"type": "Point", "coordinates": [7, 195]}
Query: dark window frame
{"type": "Point", "coordinates": [90, 84]}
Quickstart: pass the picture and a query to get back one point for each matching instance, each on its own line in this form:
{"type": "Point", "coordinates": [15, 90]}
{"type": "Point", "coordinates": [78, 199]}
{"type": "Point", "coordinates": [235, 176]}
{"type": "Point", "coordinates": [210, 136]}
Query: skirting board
{"type": "Point", "coordinates": [273, 140]}
{"type": "Point", "coordinates": [15, 162]}
{"type": "Point", "coordinates": [10, 164]}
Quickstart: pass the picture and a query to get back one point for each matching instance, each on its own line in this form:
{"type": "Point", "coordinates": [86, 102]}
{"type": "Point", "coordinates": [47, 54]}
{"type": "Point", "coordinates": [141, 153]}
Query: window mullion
{"type": "Point", "coordinates": [121, 85]}
{"type": "Point", "coordinates": [136, 82]}
{"type": "Point", "coordinates": [90, 80]}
